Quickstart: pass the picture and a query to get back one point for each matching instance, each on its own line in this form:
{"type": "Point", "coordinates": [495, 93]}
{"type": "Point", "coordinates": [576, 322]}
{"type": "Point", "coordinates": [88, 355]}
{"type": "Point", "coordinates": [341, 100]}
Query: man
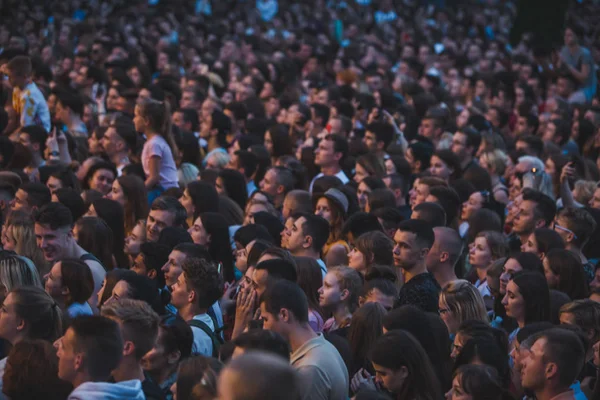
{"type": "Point", "coordinates": [261, 340]}
{"type": "Point", "coordinates": [359, 223]}
{"type": "Point", "coordinates": [191, 98]}
{"type": "Point", "coordinates": [340, 125]}
{"type": "Point", "coordinates": [69, 109]}
{"type": "Point", "coordinates": [329, 156]}
{"type": "Point", "coordinates": [378, 137]}
{"type": "Point", "coordinates": [576, 226]}
{"type": "Point", "coordinates": [536, 211]}
{"type": "Point", "coordinates": [530, 145]}
{"type": "Point", "coordinates": [258, 376]}
{"type": "Point", "coordinates": [90, 350]}
{"type": "Point", "coordinates": [7, 192]}
{"type": "Point", "coordinates": [165, 211]}
{"type": "Point", "coordinates": [119, 141]}
{"type": "Point", "coordinates": [399, 186]}
{"type": "Point", "coordinates": [444, 254]}
{"type": "Point", "coordinates": [414, 238]}
{"type": "Point", "coordinates": [527, 124]}
{"type": "Point", "coordinates": [465, 143]}
{"type": "Point", "coordinates": [308, 235]}
{"type": "Point", "coordinates": [198, 287]}
{"type": "Point", "coordinates": [284, 309]}
{"type": "Point", "coordinates": [139, 329]}
{"type": "Point", "coordinates": [150, 260]}
{"type": "Point", "coordinates": [214, 130]}
{"type": "Point", "coordinates": [296, 201]}
{"type": "Point", "coordinates": [246, 163]}
{"type": "Point", "coordinates": [186, 119]}
{"type": "Point", "coordinates": [54, 236]}
{"type": "Point", "coordinates": [432, 128]}
{"type": "Point", "coordinates": [432, 213]}
{"type": "Point", "coordinates": [421, 189]}
{"type": "Point", "coordinates": [319, 118]}
{"type": "Point", "coordinates": [33, 137]}
{"type": "Point", "coordinates": [552, 364]}
{"type": "Point", "coordinates": [277, 182]}
{"type": "Point", "coordinates": [266, 273]}
{"type": "Point", "coordinates": [566, 89]}
{"type": "Point", "coordinates": [418, 155]}
{"type": "Point", "coordinates": [30, 197]}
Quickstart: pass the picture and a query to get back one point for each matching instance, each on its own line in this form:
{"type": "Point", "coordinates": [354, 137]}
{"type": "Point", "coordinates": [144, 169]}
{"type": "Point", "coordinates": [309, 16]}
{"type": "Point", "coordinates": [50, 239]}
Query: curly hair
{"type": "Point", "coordinates": [203, 277]}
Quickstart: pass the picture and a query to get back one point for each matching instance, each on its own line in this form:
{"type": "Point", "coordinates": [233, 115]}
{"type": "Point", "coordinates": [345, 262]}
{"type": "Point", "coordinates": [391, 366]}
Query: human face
{"type": "Point", "coordinates": [323, 210]}
{"type": "Point", "coordinates": [117, 193]}
{"type": "Point", "coordinates": [449, 318]}
{"type": "Point", "coordinates": [407, 253]}
{"type": "Point", "coordinates": [325, 154]}
{"type": "Point", "coordinates": [8, 240]}
{"type": "Point", "coordinates": [362, 195]}
{"type": "Point", "coordinates": [139, 265]}
{"type": "Point", "coordinates": [375, 296]}
{"type": "Point", "coordinates": [10, 323]}
{"type": "Point", "coordinates": [357, 261]}
{"type": "Point", "coordinates": [390, 167]}
{"type": "Point", "coordinates": [246, 281]}
{"type": "Point", "coordinates": [552, 278]}
{"type": "Point", "coordinates": [172, 268]}
{"type": "Point", "coordinates": [421, 193]}
{"type": "Point", "coordinates": [180, 295]}
{"type": "Point", "coordinates": [296, 240]}
{"type": "Point", "coordinates": [157, 359]}
{"type": "Point", "coordinates": [53, 284]}
{"type": "Point", "coordinates": [457, 392]}
{"type": "Point", "coordinates": [20, 201]}
{"type": "Point", "coordinates": [427, 128]}
{"type": "Point", "coordinates": [472, 205]}
{"type": "Point", "coordinates": [525, 221]}
{"type": "Point", "coordinates": [53, 184]}
{"type": "Point", "coordinates": [511, 267]}
{"type": "Point", "coordinates": [68, 360]}
{"type": "Point", "coordinates": [112, 143]}
{"type": "Point", "coordinates": [530, 246]}
{"type": "Point", "coordinates": [457, 345]}
{"type": "Point", "coordinates": [459, 145]}
{"type": "Point", "coordinates": [390, 379]}
{"type": "Point", "coordinates": [186, 201]}
{"type": "Point", "coordinates": [53, 243]}
{"type": "Point", "coordinates": [198, 233]}
{"type": "Point", "coordinates": [139, 121]}
{"type": "Point", "coordinates": [360, 173]}
{"type": "Point", "coordinates": [241, 257]}
{"type": "Point", "coordinates": [595, 200]}
{"type": "Point", "coordinates": [595, 283]}
{"type": "Point", "coordinates": [120, 291]}
{"type": "Point", "coordinates": [253, 209]}
{"type": "Point", "coordinates": [260, 280]}
{"type": "Point", "coordinates": [514, 303]}
{"type": "Point", "coordinates": [330, 294]}
{"type": "Point", "coordinates": [534, 367]}
{"type": "Point", "coordinates": [480, 255]}
{"type": "Point", "coordinates": [102, 181]}
{"type": "Point", "coordinates": [370, 141]}
{"type": "Point", "coordinates": [268, 142]}
{"type": "Point", "coordinates": [440, 169]}
{"type": "Point", "coordinates": [269, 183]}
{"type": "Point", "coordinates": [156, 222]}
{"type": "Point", "coordinates": [94, 144]}
{"type": "Point", "coordinates": [271, 322]}
{"type": "Point", "coordinates": [135, 239]}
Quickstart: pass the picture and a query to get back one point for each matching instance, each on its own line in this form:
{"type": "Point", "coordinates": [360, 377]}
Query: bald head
{"type": "Point", "coordinates": [259, 376]}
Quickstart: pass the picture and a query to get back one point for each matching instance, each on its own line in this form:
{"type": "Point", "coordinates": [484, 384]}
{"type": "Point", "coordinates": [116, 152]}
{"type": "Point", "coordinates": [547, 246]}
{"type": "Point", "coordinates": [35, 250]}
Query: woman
{"type": "Point", "coordinates": [135, 240]}
{"type": "Point", "coordinates": [109, 282]}
{"type": "Point", "coordinates": [476, 201]}
{"type": "Point", "coordinates": [232, 183]}
{"type": "Point", "coordinates": [199, 197]}
{"type": "Point", "coordinates": [70, 283]}
{"type": "Point", "coordinates": [365, 187]}
{"type": "Point", "coordinates": [495, 162]}
{"type": "Point", "coordinates": [100, 177]}
{"type": "Point", "coordinates": [310, 279]}
{"type": "Point", "coordinates": [173, 345]}
{"type": "Point", "coordinates": [487, 350]}
{"type": "Point", "coordinates": [445, 165]}
{"type": "Point", "coordinates": [371, 248]}
{"type": "Point", "coordinates": [189, 159]}
{"type": "Point", "coordinates": [278, 142]}
{"type": "Point", "coordinates": [63, 177]}
{"type": "Point", "coordinates": [18, 235]}
{"type": "Point", "coordinates": [114, 215]}
{"type": "Point", "coordinates": [95, 236]}
{"type": "Point", "coordinates": [516, 263]}
{"type": "Point", "coordinates": [403, 368]}
{"type": "Point", "coordinates": [197, 379]}
{"type": "Point", "coordinates": [527, 299]}
{"type": "Point", "coordinates": [473, 381]}
{"type": "Point", "coordinates": [460, 301]}
{"type": "Point", "coordinates": [541, 241]}
{"type": "Point", "coordinates": [564, 272]}
{"type": "Point", "coordinates": [17, 271]}
{"type": "Point", "coordinates": [488, 247]}
{"type": "Point", "coordinates": [366, 328]}
{"type": "Point", "coordinates": [211, 230]}
{"type": "Point", "coordinates": [29, 313]}
{"type": "Point", "coordinates": [369, 164]}
{"type": "Point", "coordinates": [130, 192]}
{"type": "Point", "coordinates": [333, 207]}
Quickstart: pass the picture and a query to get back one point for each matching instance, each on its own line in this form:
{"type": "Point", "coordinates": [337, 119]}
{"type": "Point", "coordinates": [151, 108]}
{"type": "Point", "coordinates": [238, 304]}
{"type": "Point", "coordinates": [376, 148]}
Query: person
{"type": "Point", "coordinates": [548, 366]}
{"type": "Point", "coordinates": [197, 198]}
{"type": "Point", "coordinates": [444, 255]}
{"type": "Point", "coordinates": [413, 239]}
{"type": "Point", "coordinates": [70, 283]}
{"type": "Point", "coordinates": [564, 272]}
{"type": "Point", "coordinates": [139, 329]}
{"type": "Point", "coordinates": [399, 185]}
{"type": "Point", "coordinates": [119, 142]}
{"type": "Point", "coordinates": [150, 260]}
{"type": "Point", "coordinates": [378, 136]}
{"type": "Point", "coordinates": [197, 378]}
{"type": "Point", "coordinates": [165, 211]}
{"type": "Point", "coordinates": [95, 236]}
{"type": "Point", "coordinates": [368, 165]}
{"type": "Point", "coordinates": [365, 188]}
{"type": "Point", "coordinates": [366, 328]}
{"type": "Point", "coordinates": [495, 163]}
{"type": "Point", "coordinates": [284, 309]}
{"type": "Point", "coordinates": [277, 183]}
{"type": "Point", "coordinates": [445, 165]}
{"type": "Point", "coordinates": [516, 263]}
{"type": "Point", "coordinates": [333, 206]}
{"type": "Point", "coordinates": [488, 247]}
{"type": "Point", "coordinates": [109, 283]}
{"type": "Point", "coordinates": [136, 287]}
{"type": "Point", "coordinates": [421, 187]}
{"type": "Point", "coordinates": [112, 213]}
{"type": "Point", "coordinates": [152, 119]}
{"type": "Point", "coordinates": [432, 213]}
{"type": "Point", "coordinates": [260, 375]}
{"type": "Point", "coordinates": [54, 236]}
{"type": "Point", "coordinates": [296, 201]}
{"type": "Point", "coordinates": [30, 196]}
{"type": "Point", "coordinates": [27, 99]}
{"type": "Point", "coordinates": [379, 287]}
{"type": "Point", "coordinates": [63, 177]}
{"type": "Point", "coordinates": [231, 183]}
{"type": "Point", "coordinates": [198, 287]}
{"type": "Point", "coordinates": [270, 269]}
{"type": "Point", "coordinates": [577, 62]}
{"type": "Point", "coordinates": [307, 237]}
{"type": "Point", "coordinates": [310, 281]}
{"type": "Point", "coordinates": [371, 248]}
{"type": "Point", "coordinates": [477, 381]}
{"type": "Point", "coordinates": [402, 367]}
{"type": "Point", "coordinates": [541, 241]}
{"type": "Point", "coordinates": [72, 199]}
{"type": "Point", "coordinates": [32, 372]}
{"type": "Point", "coordinates": [18, 236]}
{"type": "Point", "coordinates": [98, 342]}
{"type": "Point", "coordinates": [17, 271]}
{"type": "Point", "coordinates": [329, 156]}
{"type": "Point", "coordinates": [461, 301]}
{"type": "Point", "coordinates": [246, 163]}
{"type": "Point", "coordinates": [261, 340]}
{"type": "Point", "coordinates": [100, 177]}
{"type": "Point", "coordinates": [339, 296]}
{"type": "Point", "coordinates": [535, 211]}
{"type": "Point", "coordinates": [130, 192]}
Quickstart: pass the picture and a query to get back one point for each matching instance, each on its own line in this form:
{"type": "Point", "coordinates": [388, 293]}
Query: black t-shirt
{"type": "Point", "coordinates": [422, 291]}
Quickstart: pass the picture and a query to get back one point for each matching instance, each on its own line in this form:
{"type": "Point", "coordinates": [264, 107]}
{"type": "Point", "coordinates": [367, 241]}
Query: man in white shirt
{"type": "Point", "coordinates": [329, 156]}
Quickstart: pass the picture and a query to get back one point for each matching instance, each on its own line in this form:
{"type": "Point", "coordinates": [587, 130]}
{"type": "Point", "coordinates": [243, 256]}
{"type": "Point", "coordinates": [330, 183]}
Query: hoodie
{"type": "Point", "coordinates": [126, 390]}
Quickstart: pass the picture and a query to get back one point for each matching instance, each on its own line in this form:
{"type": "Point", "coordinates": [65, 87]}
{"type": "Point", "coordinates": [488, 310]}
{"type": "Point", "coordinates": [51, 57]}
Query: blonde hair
{"type": "Point", "coordinates": [584, 191]}
{"type": "Point", "coordinates": [18, 271]}
{"type": "Point", "coordinates": [464, 301]}
{"type": "Point", "coordinates": [496, 161]}
{"type": "Point", "coordinates": [22, 232]}
{"type": "Point", "coordinates": [350, 280]}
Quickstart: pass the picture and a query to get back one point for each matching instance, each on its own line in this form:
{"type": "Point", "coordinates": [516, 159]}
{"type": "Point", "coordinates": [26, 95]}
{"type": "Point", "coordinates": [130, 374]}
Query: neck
{"type": "Point", "coordinates": [548, 392]}
{"type": "Point", "coordinates": [495, 180]}
{"type": "Point", "coordinates": [466, 161]}
{"type": "Point", "coordinates": [128, 369]}
{"type": "Point", "coordinates": [162, 375]}
{"type": "Point", "coordinates": [341, 314]}
{"type": "Point", "coordinates": [306, 253]}
{"type": "Point", "coordinates": [74, 120]}
{"type": "Point", "coordinates": [212, 143]}
{"type": "Point", "coordinates": [521, 323]}
{"type": "Point", "coordinates": [82, 378]}
{"type": "Point", "coordinates": [331, 170]}
{"type": "Point", "coordinates": [189, 311]}
{"type": "Point", "coordinates": [150, 134]}
{"type": "Point", "coordinates": [523, 237]}
{"type": "Point", "coordinates": [118, 157]}
{"type": "Point", "coordinates": [300, 335]}
{"type": "Point", "coordinates": [444, 274]}
{"type": "Point", "coordinates": [481, 273]}
{"type": "Point", "coordinates": [414, 271]}
{"type": "Point", "coordinates": [36, 160]}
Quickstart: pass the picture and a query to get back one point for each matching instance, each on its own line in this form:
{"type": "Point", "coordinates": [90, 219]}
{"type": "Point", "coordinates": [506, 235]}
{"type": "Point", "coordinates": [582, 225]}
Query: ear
{"type": "Point", "coordinates": [307, 242]}
{"type": "Point", "coordinates": [418, 165]}
{"type": "Point", "coordinates": [209, 238]}
{"type": "Point", "coordinates": [444, 256]}
{"type": "Point", "coordinates": [280, 189]}
{"type": "Point", "coordinates": [361, 301]}
{"type": "Point", "coordinates": [540, 224]}
{"type": "Point", "coordinates": [402, 372]}
{"type": "Point", "coordinates": [128, 348]}
{"type": "Point", "coordinates": [344, 295]}
{"type": "Point", "coordinates": [65, 291]}
{"type": "Point", "coordinates": [570, 238]}
{"type": "Point", "coordinates": [551, 370]}
{"type": "Point", "coordinates": [21, 325]}
{"type": "Point", "coordinates": [371, 258]}
{"type": "Point", "coordinates": [284, 315]}
{"type": "Point", "coordinates": [78, 361]}
{"type": "Point", "coordinates": [120, 145]}
{"type": "Point", "coordinates": [542, 256]}
{"type": "Point", "coordinates": [214, 132]}
{"type": "Point", "coordinates": [337, 156]}
{"type": "Point", "coordinates": [152, 274]}
{"type": "Point", "coordinates": [173, 357]}
{"type": "Point", "coordinates": [424, 252]}
{"type": "Point", "coordinates": [192, 296]}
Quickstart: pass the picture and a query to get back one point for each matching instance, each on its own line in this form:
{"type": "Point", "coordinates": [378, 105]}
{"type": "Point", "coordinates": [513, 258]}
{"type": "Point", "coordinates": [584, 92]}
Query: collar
{"type": "Point", "coordinates": [306, 348]}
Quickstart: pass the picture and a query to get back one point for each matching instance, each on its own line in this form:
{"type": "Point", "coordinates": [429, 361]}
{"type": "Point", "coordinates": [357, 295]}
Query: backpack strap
{"type": "Point", "coordinates": [216, 342]}
{"type": "Point", "coordinates": [213, 316]}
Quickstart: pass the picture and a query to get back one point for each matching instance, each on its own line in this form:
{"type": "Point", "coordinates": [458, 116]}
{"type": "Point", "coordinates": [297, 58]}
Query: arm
{"type": "Point", "coordinates": [154, 175]}
{"type": "Point", "coordinates": [565, 190]}
{"type": "Point", "coordinates": [582, 75]}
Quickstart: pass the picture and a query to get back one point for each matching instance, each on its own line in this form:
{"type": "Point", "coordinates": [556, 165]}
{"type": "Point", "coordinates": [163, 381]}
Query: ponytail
{"type": "Point", "coordinates": [158, 113]}
{"type": "Point", "coordinates": [43, 318]}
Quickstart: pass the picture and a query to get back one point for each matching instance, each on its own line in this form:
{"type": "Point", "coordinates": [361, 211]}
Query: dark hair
{"type": "Point", "coordinates": [365, 329]}
{"type": "Point", "coordinates": [95, 236]}
{"type": "Point", "coordinates": [340, 145]}
{"type": "Point", "coordinates": [397, 349]}
{"type": "Point", "coordinates": [449, 200]}
{"type": "Point", "coordinates": [235, 186]}
{"type": "Point", "coordinates": [568, 267]}
{"type": "Point", "coordinates": [99, 338]}
{"type": "Point", "coordinates": [155, 255]}
{"type": "Point", "coordinates": [248, 161]}
{"type": "Point", "coordinates": [113, 214]}
{"type": "Point", "coordinates": [580, 221]}
{"type": "Point", "coordinates": [40, 313]}
{"type": "Point", "coordinates": [38, 194]}
{"type": "Point", "coordinates": [203, 277]}
{"type": "Point", "coordinates": [247, 233]}
{"type": "Point", "coordinates": [77, 277]}
{"type": "Point", "coordinates": [481, 382]}
{"type": "Point", "coordinates": [111, 278]}
{"type": "Point", "coordinates": [178, 335]}
{"type": "Point", "coordinates": [310, 280]}
{"type": "Point", "coordinates": [373, 164]}
{"type": "Point", "coordinates": [384, 132]}
{"type": "Point", "coordinates": [361, 222]}
{"type": "Point", "coordinates": [95, 168]}
{"type": "Point", "coordinates": [192, 250]}
{"type": "Point", "coordinates": [263, 340]}
{"type": "Point", "coordinates": [282, 143]}
{"type": "Point", "coordinates": [316, 227]}
{"type": "Point", "coordinates": [286, 294]}
{"type": "Point", "coordinates": [534, 289]}
{"type": "Point", "coordinates": [195, 370]}
{"type": "Point", "coordinates": [279, 269]}
{"type": "Point", "coordinates": [142, 288]}
{"type": "Point", "coordinates": [382, 278]}
{"type": "Point", "coordinates": [528, 261]}
{"type": "Point", "coordinates": [377, 246]}
{"type": "Point", "coordinates": [172, 205]}
{"type": "Point", "coordinates": [204, 197]}
{"type": "Point", "coordinates": [587, 316]}
{"type": "Point", "coordinates": [67, 178]}
{"type": "Point", "coordinates": [171, 236]}
{"type": "Point", "coordinates": [451, 160]}
{"type": "Point", "coordinates": [545, 208]}
{"type": "Point", "coordinates": [326, 182]}
{"type": "Point", "coordinates": [432, 213]}
{"type": "Point", "coordinates": [136, 200]}
{"type": "Point", "coordinates": [219, 246]}
{"type": "Point", "coordinates": [422, 151]}
{"type": "Point", "coordinates": [422, 230]}
{"type": "Point", "coordinates": [258, 248]}
{"type": "Point", "coordinates": [71, 198]}
{"type": "Point", "coordinates": [158, 114]}
{"type": "Point", "coordinates": [488, 350]}
{"type": "Point", "coordinates": [381, 198]}
{"type": "Point", "coordinates": [548, 239]}
{"type": "Point", "coordinates": [55, 216]}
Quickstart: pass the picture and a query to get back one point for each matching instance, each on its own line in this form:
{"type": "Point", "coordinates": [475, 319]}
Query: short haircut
{"type": "Point", "coordinates": [450, 242]}
{"type": "Point", "coordinates": [288, 295]}
{"type": "Point", "coordinates": [449, 200]}
{"type": "Point", "coordinates": [545, 207]}
{"type": "Point", "coordinates": [422, 230]}
{"type": "Point", "coordinates": [77, 277]}
{"type": "Point", "coordinates": [433, 213]}
{"type": "Point", "coordinates": [55, 216]}
{"type": "Point", "coordinates": [565, 349]}
{"type": "Point", "coordinates": [580, 222]}
{"type": "Point", "coordinates": [473, 138]}
{"type": "Point", "coordinates": [37, 134]}
{"type": "Point", "coordinates": [247, 233]}
{"type": "Point", "coordinates": [248, 161]}
{"type": "Point", "coordinates": [284, 177]}
{"type": "Point", "coordinates": [340, 145]}
{"type": "Point", "coordinates": [361, 222]}
{"type": "Point", "coordinates": [126, 130]}
{"type": "Point", "coordinates": [70, 100]}
{"type": "Point", "coordinates": [21, 66]}
{"type": "Point", "coordinates": [316, 227]}
{"type": "Point", "coordinates": [139, 323]}
{"type": "Point", "coordinates": [535, 143]}
{"type": "Point", "coordinates": [279, 269]}
{"type": "Point", "coordinates": [381, 198]}
{"type": "Point", "coordinates": [155, 256]}
{"type": "Point", "coordinates": [171, 204]}
{"type": "Point", "coordinates": [398, 181]}
{"type": "Point", "coordinates": [37, 193]}
{"type": "Point", "coordinates": [384, 132]}
{"type": "Point", "coordinates": [301, 201]}
{"type": "Point", "coordinates": [192, 250]}
{"type": "Point", "coordinates": [99, 338]}
{"type": "Point", "coordinates": [263, 340]}
{"type": "Point", "coordinates": [587, 315]}
{"type": "Point", "coordinates": [203, 277]}
{"type": "Point", "coordinates": [321, 111]}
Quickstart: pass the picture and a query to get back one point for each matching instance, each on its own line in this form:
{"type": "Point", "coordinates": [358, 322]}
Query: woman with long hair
{"type": "Point", "coordinates": [460, 301]}
{"type": "Point", "coordinates": [232, 183]}
{"type": "Point", "coordinates": [369, 164]}
{"type": "Point", "coordinates": [366, 328]}
{"type": "Point", "coordinates": [488, 247]}
{"type": "Point", "coordinates": [495, 162]}
{"type": "Point", "coordinates": [564, 272]}
{"type": "Point", "coordinates": [134, 241]}
{"type": "Point", "coordinates": [541, 241]}
{"type": "Point", "coordinates": [70, 283]}
{"type": "Point", "coordinates": [18, 235]}
{"type": "Point", "coordinates": [199, 197]}
{"type": "Point", "coordinates": [310, 279]}
{"type": "Point", "coordinates": [211, 230]}
{"type": "Point", "coordinates": [114, 215]}
{"type": "Point", "coordinates": [197, 378]}
{"type": "Point", "coordinates": [339, 296]}
{"type": "Point", "coordinates": [17, 271]}
{"type": "Point", "coordinates": [278, 142]}
{"type": "Point", "coordinates": [333, 207]}
{"type": "Point", "coordinates": [100, 177]}
{"type": "Point", "coordinates": [130, 192]}
{"type": "Point", "coordinates": [95, 236]}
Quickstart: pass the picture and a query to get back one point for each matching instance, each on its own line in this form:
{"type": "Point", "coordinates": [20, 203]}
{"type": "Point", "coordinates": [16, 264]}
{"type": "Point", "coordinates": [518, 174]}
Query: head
{"type": "Point", "coordinates": [70, 281]}
{"type": "Point", "coordinates": [31, 196]}
{"type": "Point", "coordinates": [198, 286]}
{"type": "Point", "coordinates": [173, 345]}
{"type": "Point", "coordinates": [331, 152]}
{"type": "Point", "coordinates": [309, 232]}
{"type": "Point", "coordinates": [54, 231]}
{"type": "Point", "coordinates": [564, 272]}
{"type": "Point", "coordinates": [341, 287]}
{"type": "Point", "coordinates": [165, 211]}
{"type": "Point", "coordinates": [488, 247]}
{"type": "Point", "coordinates": [541, 241]}
{"type": "Point", "coordinates": [413, 240]}
{"type": "Point", "coordinates": [516, 263]}
{"type": "Point", "coordinates": [261, 340]}
{"type": "Point", "coordinates": [461, 301]}
{"type": "Point", "coordinates": [527, 298]}
{"type": "Point", "coordinates": [535, 211]}
{"type": "Point", "coordinates": [446, 250]}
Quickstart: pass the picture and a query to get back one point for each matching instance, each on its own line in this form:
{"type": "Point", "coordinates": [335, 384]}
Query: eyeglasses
{"type": "Point", "coordinates": [562, 228]}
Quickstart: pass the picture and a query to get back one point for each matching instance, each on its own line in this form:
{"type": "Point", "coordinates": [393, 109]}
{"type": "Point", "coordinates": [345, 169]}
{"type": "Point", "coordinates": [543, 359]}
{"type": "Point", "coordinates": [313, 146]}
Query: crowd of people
{"type": "Point", "coordinates": [252, 200]}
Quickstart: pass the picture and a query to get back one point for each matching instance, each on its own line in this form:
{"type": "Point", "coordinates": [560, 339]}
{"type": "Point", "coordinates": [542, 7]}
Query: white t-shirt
{"type": "Point", "coordinates": [202, 342]}
{"type": "Point", "coordinates": [158, 146]}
